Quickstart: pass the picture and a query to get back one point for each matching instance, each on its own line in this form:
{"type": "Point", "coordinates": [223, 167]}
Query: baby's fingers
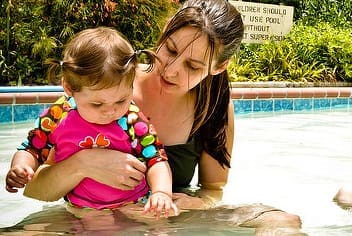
{"type": "Point", "coordinates": [161, 208]}
{"type": "Point", "coordinates": [169, 205]}
{"type": "Point", "coordinates": [11, 189]}
{"type": "Point", "coordinates": [147, 207]}
{"type": "Point", "coordinates": [16, 181]}
{"type": "Point", "coordinates": [12, 184]}
{"type": "Point", "coordinates": [174, 208]}
{"type": "Point", "coordinates": [155, 206]}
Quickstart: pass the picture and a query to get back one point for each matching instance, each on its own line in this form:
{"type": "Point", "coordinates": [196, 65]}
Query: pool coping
{"type": "Point", "coordinates": [48, 94]}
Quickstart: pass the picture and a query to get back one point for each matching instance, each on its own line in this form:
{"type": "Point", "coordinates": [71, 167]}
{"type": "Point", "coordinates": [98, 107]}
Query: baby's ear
{"type": "Point", "coordinates": [220, 68]}
{"type": "Point", "coordinates": [66, 87]}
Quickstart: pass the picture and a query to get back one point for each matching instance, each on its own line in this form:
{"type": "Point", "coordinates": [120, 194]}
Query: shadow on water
{"type": "Point", "coordinates": [225, 220]}
{"type": "Point", "coordinates": [56, 220]}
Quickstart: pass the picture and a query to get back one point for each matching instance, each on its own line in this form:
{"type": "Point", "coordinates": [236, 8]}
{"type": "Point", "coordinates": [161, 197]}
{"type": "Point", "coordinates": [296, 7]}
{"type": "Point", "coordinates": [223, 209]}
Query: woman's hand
{"type": "Point", "coordinates": [114, 168]}
{"type": "Point", "coordinates": [187, 202]}
{"type": "Point", "coordinates": [202, 199]}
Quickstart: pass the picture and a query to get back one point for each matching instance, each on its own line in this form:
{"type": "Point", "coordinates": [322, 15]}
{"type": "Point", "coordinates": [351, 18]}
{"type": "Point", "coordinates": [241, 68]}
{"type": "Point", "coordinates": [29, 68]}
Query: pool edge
{"type": "Point", "coordinates": [18, 105]}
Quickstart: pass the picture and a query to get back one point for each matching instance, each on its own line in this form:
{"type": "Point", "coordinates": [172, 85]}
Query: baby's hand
{"type": "Point", "coordinates": [18, 177]}
{"type": "Point", "coordinates": [160, 203]}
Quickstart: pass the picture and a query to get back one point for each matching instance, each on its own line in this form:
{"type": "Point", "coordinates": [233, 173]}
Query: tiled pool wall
{"type": "Point", "coordinates": [249, 100]}
{"type": "Point", "coordinates": [20, 104]}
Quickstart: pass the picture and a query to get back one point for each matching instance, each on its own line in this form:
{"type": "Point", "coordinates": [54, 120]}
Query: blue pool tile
{"type": "Point", "coordinates": [242, 106]}
{"type": "Point", "coordinates": [339, 102]}
{"type": "Point", "coordinates": [303, 104]}
{"type": "Point", "coordinates": [256, 105]}
{"type": "Point", "coordinates": [283, 105]}
{"type": "Point", "coordinates": [266, 105]}
{"type": "Point", "coordinates": [321, 103]}
{"type": "Point", "coordinates": [5, 114]}
{"type": "Point", "coordinates": [263, 105]}
{"type": "Point", "coordinates": [27, 112]}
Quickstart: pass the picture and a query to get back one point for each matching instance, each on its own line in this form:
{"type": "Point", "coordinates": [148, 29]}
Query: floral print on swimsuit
{"type": "Point", "coordinates": [37, 142]}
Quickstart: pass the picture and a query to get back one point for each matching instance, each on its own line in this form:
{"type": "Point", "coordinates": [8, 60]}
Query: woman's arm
{"type": "Point", "coordinates": [114, 168]}
{"type": "Point", "coordinates": [212, 176]}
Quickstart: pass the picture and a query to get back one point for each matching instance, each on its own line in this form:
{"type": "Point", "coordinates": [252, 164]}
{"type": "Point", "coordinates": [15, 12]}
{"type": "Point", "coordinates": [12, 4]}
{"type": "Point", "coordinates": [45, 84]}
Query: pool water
{"type": "Point", "coordinates": [296, 162]}
{"type": "Point", "coordinates": [292, 161]}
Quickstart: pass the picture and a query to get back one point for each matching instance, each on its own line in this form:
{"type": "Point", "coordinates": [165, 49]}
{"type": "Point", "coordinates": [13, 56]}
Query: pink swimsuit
{"type": "Point", "coordinates": [69, 132]}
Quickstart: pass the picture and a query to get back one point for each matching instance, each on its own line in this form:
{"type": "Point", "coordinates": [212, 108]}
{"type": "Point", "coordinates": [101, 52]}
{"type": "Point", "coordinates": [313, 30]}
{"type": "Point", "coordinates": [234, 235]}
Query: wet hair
{"type": "Point", "coordinates": [222, 24]}
{"type": "Point", "coordinates": [99, 57]}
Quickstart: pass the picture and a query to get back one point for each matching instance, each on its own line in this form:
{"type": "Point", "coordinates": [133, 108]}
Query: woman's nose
{"type": "Point", "coordinates": [171, 68]}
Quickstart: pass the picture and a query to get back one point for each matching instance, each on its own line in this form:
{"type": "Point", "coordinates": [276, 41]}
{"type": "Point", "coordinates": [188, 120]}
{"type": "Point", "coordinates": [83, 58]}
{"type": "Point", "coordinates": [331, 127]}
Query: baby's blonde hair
{"type": "Point", "coordinates": [100, 57]}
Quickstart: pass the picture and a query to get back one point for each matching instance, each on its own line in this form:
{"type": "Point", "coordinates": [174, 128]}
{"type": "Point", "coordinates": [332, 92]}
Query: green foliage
{"type": "Point", "coordinates": [326, 45]}
{"type": "Point", "coordinates": [311, 12]}
{"type": "Point", "coordinates": [335, 12]}
{"type": "Point", "coordinates": [144, 22]}
{"type": "Point", "coordinates": [319, 53]}
{"type": "Point", "coordinates": [33, 30]}
{"type": "Point", "coordinates": [318, 48]}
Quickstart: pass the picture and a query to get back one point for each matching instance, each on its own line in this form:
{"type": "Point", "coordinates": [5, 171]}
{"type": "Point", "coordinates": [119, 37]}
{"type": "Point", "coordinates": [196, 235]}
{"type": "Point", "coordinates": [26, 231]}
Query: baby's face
{"type": "Point", "coordinates": [105, 105]}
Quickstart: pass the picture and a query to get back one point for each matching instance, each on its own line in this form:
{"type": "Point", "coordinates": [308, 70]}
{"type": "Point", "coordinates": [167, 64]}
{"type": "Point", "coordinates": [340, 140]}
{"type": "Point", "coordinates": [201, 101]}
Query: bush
{"type": "Point", "coordinates": [311, 12]}
{"type": "Point", "coordinates": [34, 30]}
{"type": "Point", "coordinates": [318, 48]}
{"type": "Point", "coordinates": [320, 53]}
{"type": "Point", "coordinates": [336, 13]}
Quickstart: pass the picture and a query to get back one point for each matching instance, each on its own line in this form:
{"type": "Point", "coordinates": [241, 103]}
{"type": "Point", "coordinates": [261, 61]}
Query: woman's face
{"type": "Point", "coordinates": [184, 60]}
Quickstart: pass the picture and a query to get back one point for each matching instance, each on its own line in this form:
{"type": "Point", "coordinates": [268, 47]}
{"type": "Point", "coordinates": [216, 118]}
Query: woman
{"type": "Point", "coordinates": [187, 99]}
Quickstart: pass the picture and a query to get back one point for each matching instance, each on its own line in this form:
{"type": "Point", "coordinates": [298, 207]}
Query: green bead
{"type": "Point", "coordinates": [147, 140]}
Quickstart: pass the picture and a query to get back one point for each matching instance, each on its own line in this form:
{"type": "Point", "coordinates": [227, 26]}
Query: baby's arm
{"type": "Point", "coordinates": [148, 148]}
{"type": "Point", "coordinates": [23, 166]}
{"type": "Point", "coordinates": [35, 149]}
{"type": "Point", "coordinates": [160, 181]}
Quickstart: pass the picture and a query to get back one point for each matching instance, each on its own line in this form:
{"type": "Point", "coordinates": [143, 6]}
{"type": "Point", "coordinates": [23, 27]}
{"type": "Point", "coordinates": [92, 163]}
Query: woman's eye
{"type": "Point", "coordinates": [193, 67]}
{"type": "Point", "coordinates": [120, 102]}
{"type": "Point", "coordinates": [96, 104]}
{"type": "Point", "coordinates": [171, 50]}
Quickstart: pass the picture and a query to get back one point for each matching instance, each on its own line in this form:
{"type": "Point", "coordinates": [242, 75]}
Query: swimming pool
{"type": "Point", "coordinates": [295, 161]}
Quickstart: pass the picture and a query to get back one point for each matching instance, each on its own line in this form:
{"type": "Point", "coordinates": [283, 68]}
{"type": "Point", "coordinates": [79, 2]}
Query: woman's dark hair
{"type": "Point", "coordinates": [223, 25]}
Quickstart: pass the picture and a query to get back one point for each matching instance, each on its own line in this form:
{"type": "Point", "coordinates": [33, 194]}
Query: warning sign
{"type": "Point", "coordinates": [264, 21]}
